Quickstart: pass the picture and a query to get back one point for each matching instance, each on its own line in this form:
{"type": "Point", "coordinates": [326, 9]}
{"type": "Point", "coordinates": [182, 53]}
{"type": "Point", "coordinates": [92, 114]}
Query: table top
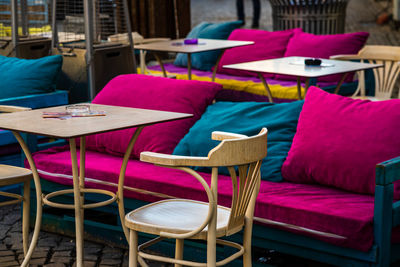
{"type": "Point", "coordinates": [295, 66]}
{"type": "Point", "coordinates": [116, 118]}
{"type": "Point", "coordinates": [203, 45]}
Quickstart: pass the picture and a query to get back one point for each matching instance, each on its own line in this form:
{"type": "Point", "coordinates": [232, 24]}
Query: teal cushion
{"type": "Point", "coordinates": [207, 60]}
{"type": "Point", "coordinates": [246, 118]}
{"type": "Point", "coordinates": [21, 77]}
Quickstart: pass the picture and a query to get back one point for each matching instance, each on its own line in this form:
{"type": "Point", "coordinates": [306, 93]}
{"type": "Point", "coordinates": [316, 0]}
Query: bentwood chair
{"type": "Point", "coordinates": [188, 219]}
{"type": "Point", "coordinates": [385, 77]}
{"type": "Point", "coordinates": [10, 175]}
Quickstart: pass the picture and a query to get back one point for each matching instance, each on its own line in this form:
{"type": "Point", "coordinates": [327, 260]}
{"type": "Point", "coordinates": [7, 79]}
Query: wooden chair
{"type": "Point", "coordinates": [188, 219]}
{"type": "Point", "coordinates": [385, 77]}
{"type": "Point", "coordinates": [11, 175]}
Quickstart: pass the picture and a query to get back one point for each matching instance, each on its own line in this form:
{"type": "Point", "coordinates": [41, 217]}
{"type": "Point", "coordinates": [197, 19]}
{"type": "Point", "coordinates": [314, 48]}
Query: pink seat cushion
{"type": "Point", "coordinates": [149, 92]}
{"type": "Point", "coordinates": [314, 207]}
{"type": "Point", "coordinates": [267, 45]}
{"type": "Point", "coordinates": [339, 141]}
{"type": "Point", "coordinates": [323, 46]}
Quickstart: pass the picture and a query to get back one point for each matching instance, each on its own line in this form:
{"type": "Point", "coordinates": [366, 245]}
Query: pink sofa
{"type": "Point", "coordinates": [316, 217]}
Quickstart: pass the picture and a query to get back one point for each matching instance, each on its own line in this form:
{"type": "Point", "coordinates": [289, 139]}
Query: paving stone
{"type": "Point", "coordinates": [87, 264]}
{"type": "Point", "coordinates": [54, 265]}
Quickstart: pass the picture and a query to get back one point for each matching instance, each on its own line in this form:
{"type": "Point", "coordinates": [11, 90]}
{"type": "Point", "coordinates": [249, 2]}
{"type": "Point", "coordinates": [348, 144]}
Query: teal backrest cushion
{"type": "Point", "coordinates": [207, 60]}
{"type": "Point", "coordinates": [19, 77]}
{"type": "Point", "coordinates": [246, 118]}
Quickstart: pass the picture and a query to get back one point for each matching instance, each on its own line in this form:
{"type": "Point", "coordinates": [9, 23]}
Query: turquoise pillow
{"type": "Point", "coordinates": [246, 118]}
{"type": "Point", "coordinates": [207, 60]}
{"type": "Point", "coordinates": [21, 77]}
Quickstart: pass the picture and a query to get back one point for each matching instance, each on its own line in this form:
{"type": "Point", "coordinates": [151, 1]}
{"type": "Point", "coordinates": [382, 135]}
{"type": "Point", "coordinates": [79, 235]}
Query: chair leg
{"type": "Point", "coordinates": [25, 216]}
{"type": "Point", "coordinates": [133, 248]}
{"type": "Point", "coordinates": [179, 251]}
{"type": "Point", "coordinates": [248, 227]}
{"type": "Point", "coordinates": [211, 243]}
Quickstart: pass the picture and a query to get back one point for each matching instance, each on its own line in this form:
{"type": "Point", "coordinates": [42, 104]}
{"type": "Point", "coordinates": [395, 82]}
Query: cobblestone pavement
{"type": "Point", "coordinates": [59, 251]}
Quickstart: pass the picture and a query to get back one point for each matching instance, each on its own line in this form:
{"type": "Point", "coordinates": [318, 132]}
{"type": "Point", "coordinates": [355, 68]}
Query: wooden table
{"type": "Point", "coordinates": [116, 118]}
{"type": "Point", "coordinates": [178, 46]}
{"type": "Point", "coordinates": [294, 66]}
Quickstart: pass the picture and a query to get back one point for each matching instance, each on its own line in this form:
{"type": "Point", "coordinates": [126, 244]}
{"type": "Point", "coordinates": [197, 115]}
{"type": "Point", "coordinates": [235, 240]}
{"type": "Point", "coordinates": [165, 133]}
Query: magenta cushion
{"type": "Point", "coordinates": [313, 207]}
{"type": "Point", "coordinates": [323, 46]}
{"type": "Point", "coordinates": [267, 45]}
{"type": "Point", "coordinates": [149, 92]}
{"type": "Point", "coordinates": [339, 141]}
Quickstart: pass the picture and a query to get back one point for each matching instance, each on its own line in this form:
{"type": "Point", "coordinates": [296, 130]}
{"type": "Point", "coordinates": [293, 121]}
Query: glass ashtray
{"type": "Point", "coordinates": [77, 109]}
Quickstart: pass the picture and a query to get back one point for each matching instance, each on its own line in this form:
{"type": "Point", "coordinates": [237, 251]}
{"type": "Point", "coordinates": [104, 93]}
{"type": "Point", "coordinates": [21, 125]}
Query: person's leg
{"type": "Point", "coordinates": [256, 13]}
{"type": "Point", "coordinates": [240, 10]}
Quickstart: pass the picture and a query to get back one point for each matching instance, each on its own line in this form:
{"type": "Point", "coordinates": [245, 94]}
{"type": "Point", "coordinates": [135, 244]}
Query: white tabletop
{"type": "Point", "coordinates": [295, 66]}
{"type": "Point", "coordinates": [203, 45]}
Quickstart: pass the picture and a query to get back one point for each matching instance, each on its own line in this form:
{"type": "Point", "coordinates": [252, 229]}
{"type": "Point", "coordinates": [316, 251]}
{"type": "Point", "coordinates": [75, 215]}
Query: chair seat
{"type": "Point", "coordinates": [13, 175]}
{"type": "Point", "coordinates": [175, 216]}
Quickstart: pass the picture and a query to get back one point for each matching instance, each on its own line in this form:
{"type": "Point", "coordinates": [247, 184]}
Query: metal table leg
{"type": "Point", "coordinates": [121, 180]}
{"type": "Point", "coordinates": [39, 203]}
{"type": "Point", "coordinates": [269, 94]}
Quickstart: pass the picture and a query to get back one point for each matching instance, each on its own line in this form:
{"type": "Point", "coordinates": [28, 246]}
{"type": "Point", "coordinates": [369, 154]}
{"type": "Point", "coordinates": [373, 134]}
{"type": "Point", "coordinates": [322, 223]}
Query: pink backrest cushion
{"type": "Point", "coordinates": [149, 92]}
{"type": "Point", "coordinates": [339, 141]}
{"type": "Point", "coordinates": [267, 45]}
{"type": "Point", "coordinates": [323, 46]}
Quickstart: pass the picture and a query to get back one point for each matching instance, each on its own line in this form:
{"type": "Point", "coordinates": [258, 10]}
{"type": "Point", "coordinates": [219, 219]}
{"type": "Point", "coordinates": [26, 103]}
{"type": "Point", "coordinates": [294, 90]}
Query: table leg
{"type": "Point", "coordinates": [158, 58]}
{"type": "Point", "coordinates": [39, 200]}
{"type": "Point", "coordinates": [121, 180]}
{"type": "Point", "coordinates": [306, 86]}
{"type": "Point", "coordinates": [142, 57]}
{"type": "Point", "coordinates": [266, 86]}
{"type": "Point", "coordinates": [216, 65]}
{"type": "Point", "coordinates": [189, 66]}
{"type": "Point", "coordinates": [82, 165]}
{"type": "Point", "coordinates": [340, 83]}
{"type": "Point", "coordinates": [77, 204]}
{"type": "Point", "coordinates": [299, 88]}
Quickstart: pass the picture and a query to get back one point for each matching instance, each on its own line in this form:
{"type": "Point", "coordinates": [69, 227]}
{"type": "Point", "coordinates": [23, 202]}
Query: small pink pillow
{"type": "Point", "coordinates": [323, 46]}
{"type": "Point", "coordinates": [149, 92]}
{"type": "Point", "coordinates": [339, 141]}
{"type": "Point", "coordinates": [267, 45]}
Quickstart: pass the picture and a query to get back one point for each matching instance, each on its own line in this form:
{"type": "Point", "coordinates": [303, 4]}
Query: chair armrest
{"type": "Point", "coordinates": [387, 172]}
{"type": "Point", "coordinates": [172, 160]}
{"type": "Point", "coordinates": [219, 136]}
{"type": "Point", "coordinates": [8, 109]}
{"type": "Point", "coordinates": [345, 57]}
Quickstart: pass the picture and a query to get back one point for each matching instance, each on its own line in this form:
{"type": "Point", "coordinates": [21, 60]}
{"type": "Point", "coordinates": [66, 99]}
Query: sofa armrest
{"type": "Point", "coordinates": [9, 109]}
{"type": "Point", "coordinates": [219, 136]}
{"type": "Point", "coordinates": [388, 171]}
{"type": "Point", "coordinates": [172, 160]}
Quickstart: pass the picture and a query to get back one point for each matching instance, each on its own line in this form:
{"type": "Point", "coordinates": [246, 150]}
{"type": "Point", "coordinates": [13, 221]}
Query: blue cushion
{"type": "Point", "coordinates": [246, 118]}
{"type": "Point", "coordinates": [207, 60]}
{"type": "Point", "coordinates": [21, 77]}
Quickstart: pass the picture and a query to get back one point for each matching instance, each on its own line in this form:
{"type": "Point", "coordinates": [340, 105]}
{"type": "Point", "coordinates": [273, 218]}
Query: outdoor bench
{"type": "Point", "coordinates": [348, 216]}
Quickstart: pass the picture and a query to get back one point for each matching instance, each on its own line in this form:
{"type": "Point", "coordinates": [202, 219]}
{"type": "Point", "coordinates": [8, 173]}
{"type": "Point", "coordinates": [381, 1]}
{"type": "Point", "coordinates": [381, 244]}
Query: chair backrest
{"type": "Point", "coordinates": [245, 153]}
{"type": "Point", "coordinates": [385, 77]}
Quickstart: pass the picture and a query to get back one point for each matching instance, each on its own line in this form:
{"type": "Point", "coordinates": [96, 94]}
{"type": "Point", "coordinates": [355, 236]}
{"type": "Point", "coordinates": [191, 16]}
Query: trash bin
{"type": "Point", "coordinates": [313, 16]}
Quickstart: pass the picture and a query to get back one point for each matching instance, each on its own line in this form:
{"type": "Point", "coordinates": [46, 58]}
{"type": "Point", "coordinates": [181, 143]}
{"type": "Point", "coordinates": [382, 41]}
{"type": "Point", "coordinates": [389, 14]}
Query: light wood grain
{"type": "Point", "coordinates": [385, 77]}
{"type": "Point", "coordinates": [182, 218]}
{"type": "Point", "coordinates": [9, 109]}
{"type": "Point", "coordinates": [13, 175]}
{"type": "Point", "coordinates": [116, 118]}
